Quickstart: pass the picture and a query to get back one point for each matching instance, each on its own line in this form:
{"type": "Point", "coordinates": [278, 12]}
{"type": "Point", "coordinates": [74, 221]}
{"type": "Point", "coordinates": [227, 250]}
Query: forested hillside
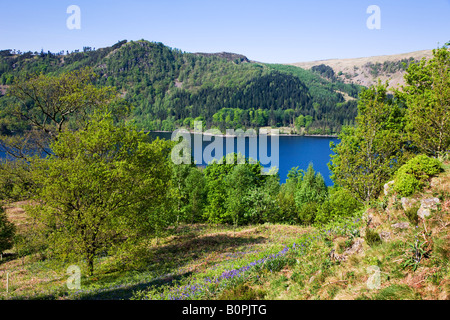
{"type": "Point", "coordinates": [169, 88]}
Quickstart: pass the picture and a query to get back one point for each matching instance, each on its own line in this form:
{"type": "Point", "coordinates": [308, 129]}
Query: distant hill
{"type": "Point", "coordinates": [169, 88]}
{"type": "Point", "coordinates": [367, 71]}
{"type": "Point", "coordinates": [225, 55]}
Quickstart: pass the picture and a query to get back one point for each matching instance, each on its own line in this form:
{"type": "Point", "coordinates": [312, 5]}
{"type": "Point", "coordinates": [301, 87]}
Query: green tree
{"type": "Point", "coordinates": [238, 182]}
{"type": "Point", "coordinates": [311, 191]}
{"type": "Point", "coordinates": [179, 190]}
{"type": "Point", "coordinates": [300, 122]}
{"type": "Point", "coordinates": [290, 115]}
{"type": "Point", "coordinates": [15, 182]}
{"type": "Point", "coordinates": [195, 184]}
{"type": "Point", "coordinates": [369, 154]}
{"type": "Point", "coordinates": [102, 185]}
{"type": "Point", "coordinates": [262, 202]}
{"type": "Point", "coordinates": [187, 186]}
{"type": "Point", "coordinates": [217, 189]}
{"type": "Point", "coordinates": [311, 188]}
{"type": "Point", "coordinates": [50, 104]}
{"type": "Point", "coordinates": [427, 95]}
{"type": "Point", "coordinates": [286, 196]}
{"type": "Point", "coordinates": [308, 121]}
{"type": "Point", "coordinates": [7, 231]}
{"type": "Point", "coordinates": [340, 203]}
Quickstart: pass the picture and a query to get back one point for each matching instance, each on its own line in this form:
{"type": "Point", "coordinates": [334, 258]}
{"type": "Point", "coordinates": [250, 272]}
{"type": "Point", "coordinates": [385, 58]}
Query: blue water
{"type": "Point", "coordinates": [294, 151]}
{"type": "Point", "coordinates": [300, 151]}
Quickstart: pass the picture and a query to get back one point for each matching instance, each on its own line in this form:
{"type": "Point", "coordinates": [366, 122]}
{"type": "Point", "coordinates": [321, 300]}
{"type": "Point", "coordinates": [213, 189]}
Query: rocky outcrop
{"type": "Point", "coordinates": [356, 247]}
{"type": "Point", "coordinates": [408, 203]}
{"type": "Point", "coordinates": [400, 225]}
{"type": "Point", "coordinates": [384, 235]}
{"type": "Point", "coordinates": [426, 205]}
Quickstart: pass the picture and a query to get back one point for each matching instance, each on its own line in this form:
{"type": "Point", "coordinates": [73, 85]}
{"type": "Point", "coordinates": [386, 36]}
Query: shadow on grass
{"type": "Point", "coordinates": [168, 259]}
{"type": "Point", "coordinates": [173, 257]}
{"type": "Point", "coordinates": [183, 252]}
{"type": "Point", "coordinates": [125, 292]}
{"type": "Point", "coordinates": [7, 257]}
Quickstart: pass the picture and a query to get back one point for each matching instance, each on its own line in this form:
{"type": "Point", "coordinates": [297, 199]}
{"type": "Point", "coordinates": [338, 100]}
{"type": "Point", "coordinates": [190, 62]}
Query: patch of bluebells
{"type": "Point", "coordinates": [199, 288]}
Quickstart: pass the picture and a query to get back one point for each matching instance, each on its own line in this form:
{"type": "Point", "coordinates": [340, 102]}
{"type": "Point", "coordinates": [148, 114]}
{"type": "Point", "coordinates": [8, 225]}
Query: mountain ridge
{"type": "Point", "coordinates": [366, 71]}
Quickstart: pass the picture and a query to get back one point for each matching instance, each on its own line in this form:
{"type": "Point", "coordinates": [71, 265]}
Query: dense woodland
{"type": "Point", "coordinates": [169, 88]}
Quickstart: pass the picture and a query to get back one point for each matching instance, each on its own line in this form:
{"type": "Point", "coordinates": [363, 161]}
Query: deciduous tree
{"type": "Point", "coordinates": [102, 185]}
{"type": "Point", "coordinates": [369, 154]}
{"type": "Point", "coordinates": [427, 95]}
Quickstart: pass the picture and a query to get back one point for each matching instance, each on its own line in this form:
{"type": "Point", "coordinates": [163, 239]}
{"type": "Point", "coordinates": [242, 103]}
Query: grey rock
{"type": "Point", "coordinates": [400, 225]}
{"type": "Point", "coordinates": [434, 182]}
{"type": "Point", "coordinates": [355, 248]}
{"type": "Point", "coordinates": [422, 213]}
{"type": "Point", "coordinates": [426, 206]}
{"type": "Point", "coordinates": [384, 235]}
{"type": "Point", "coordinates": [387, 187]}
{"type": "Point", "coordinates": [408, 203]}
{"type": "Point", "coordinates": [430, 203]}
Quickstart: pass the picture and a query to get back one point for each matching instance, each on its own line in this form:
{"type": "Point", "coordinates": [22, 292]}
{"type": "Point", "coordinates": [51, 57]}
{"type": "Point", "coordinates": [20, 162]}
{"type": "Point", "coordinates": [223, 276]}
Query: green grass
{"type": "Point", "coordinates": [269, 261]}
{"type": "Point", "coordinates": [397, 292]}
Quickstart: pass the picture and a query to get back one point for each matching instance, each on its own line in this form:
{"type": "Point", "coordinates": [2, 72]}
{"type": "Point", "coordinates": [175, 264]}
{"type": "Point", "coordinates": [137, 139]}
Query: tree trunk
{"type": "Point", "coordinates": [90, 263]}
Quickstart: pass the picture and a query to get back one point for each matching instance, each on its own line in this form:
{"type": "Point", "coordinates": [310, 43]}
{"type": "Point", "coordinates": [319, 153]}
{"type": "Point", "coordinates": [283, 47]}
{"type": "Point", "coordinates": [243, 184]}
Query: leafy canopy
{"type": "Point", "coordinates": [102, 185]}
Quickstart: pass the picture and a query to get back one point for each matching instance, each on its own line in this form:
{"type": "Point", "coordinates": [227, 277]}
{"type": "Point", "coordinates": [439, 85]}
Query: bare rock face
{"type": "Point", "coordinates": [426, 206]}
{"type": "Point", "coordinates": [387, 187]}
{"type": "Point", "coordinates": [408, 203]}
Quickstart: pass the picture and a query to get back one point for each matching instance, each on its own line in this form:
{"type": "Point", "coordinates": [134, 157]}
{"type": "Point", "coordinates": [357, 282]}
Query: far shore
{"type": "Point", "coordinates": [269, 134]}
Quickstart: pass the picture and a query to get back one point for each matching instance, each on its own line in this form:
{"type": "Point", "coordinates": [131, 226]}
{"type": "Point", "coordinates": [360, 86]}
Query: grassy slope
{"type": "Point", "coordinates": [260, 262]}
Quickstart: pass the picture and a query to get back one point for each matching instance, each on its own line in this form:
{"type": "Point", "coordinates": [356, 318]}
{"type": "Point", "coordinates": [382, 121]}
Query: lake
{"type": "Point", "coordinates": [294, 151]}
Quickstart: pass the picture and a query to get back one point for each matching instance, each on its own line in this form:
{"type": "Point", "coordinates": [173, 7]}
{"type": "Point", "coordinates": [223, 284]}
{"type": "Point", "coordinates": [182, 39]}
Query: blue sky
{"type": "Point", "coordinates": [280, 31]}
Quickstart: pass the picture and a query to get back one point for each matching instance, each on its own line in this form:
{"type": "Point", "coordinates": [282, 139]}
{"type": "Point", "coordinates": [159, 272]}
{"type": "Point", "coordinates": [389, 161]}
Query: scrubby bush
{"type": "Point", "coordinates": [286, 203]}
{"type": "Point", "coordinates": [412, 215]}
{"type": "Point", "coordinates": [340, 203]}
{"type": "Point", "coordinates": [413, 175]}
{"type": "Point", "coordinates": [311, 190]}
{"type": "Point", "coordinates": [372, 237]}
